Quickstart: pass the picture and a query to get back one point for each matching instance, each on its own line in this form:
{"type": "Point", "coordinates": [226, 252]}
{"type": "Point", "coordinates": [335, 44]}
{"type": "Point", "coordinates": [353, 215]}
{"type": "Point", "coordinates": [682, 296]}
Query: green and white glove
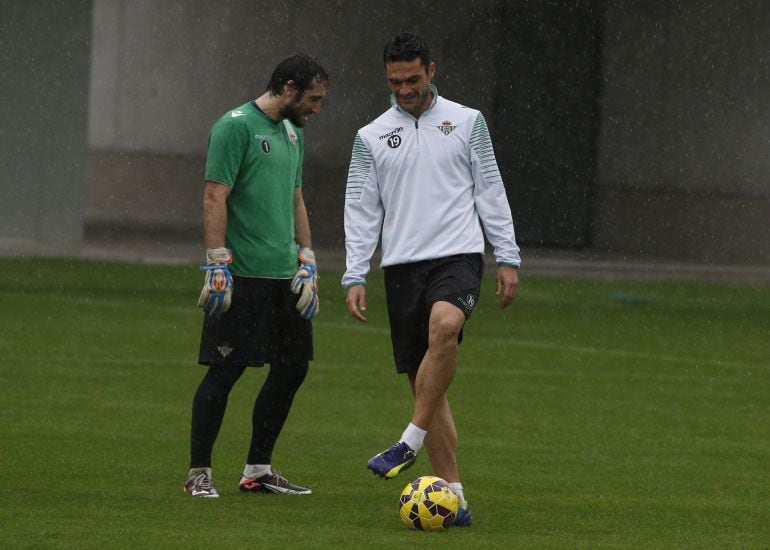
{"type": "Point", "coordinates": [218, 285]}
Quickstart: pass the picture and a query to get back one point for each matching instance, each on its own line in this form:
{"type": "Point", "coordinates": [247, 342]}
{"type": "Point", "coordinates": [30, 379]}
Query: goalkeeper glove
{"type": "Point", "coordinates": [305, 283]}
{"type": "Point", "coordinates": [218, 285]}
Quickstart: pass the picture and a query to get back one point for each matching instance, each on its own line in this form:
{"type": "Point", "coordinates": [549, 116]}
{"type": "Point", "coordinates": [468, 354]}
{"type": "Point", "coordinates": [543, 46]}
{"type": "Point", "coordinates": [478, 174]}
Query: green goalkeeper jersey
{"type": "Point", "coordinates": [261, 160]}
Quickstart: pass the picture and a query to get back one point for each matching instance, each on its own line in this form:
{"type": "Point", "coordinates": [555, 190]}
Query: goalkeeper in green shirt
{"type": "Point", "coordinates": [260, 289]}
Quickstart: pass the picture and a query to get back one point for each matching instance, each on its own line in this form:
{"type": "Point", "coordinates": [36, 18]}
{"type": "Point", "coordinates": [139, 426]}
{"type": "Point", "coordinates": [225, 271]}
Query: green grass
{"type": "Point", "coordinates": [623, 415]}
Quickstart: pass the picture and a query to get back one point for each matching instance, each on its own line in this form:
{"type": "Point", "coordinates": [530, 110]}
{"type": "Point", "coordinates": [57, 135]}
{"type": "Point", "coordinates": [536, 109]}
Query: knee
{"type": "Point", "coordinates": [290, 377]}
{"type": "Point", "coordinates": [444, 332]}
{"type": "Point", "coordinates": [218, 382]}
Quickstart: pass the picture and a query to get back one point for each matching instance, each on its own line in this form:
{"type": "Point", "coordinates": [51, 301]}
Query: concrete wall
{"type": "Point", "coordinates": [546, 117]}
{"type": "Point", "coordinates": [44, 69]}
{"type": "Point", "coordinates": [638, 127]}
{"type": "Point", "coordinates": [163, 72]}
{"type": "Point", "coordinates": [684, 148]}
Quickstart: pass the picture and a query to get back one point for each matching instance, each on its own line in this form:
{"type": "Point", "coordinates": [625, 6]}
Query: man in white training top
{"type": "Point", "coordinates": [425, 173]}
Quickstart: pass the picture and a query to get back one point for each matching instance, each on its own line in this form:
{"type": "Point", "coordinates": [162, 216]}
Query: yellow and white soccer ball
{"type": "Point", "coordinates": [428, 504]}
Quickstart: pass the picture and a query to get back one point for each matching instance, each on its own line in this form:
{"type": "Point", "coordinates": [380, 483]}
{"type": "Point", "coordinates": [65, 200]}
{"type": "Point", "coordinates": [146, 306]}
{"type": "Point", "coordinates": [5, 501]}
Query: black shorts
{"type": "Point", "coordinates": [411, 291]}
{"type": "Point", "coordinates": [261, 326]}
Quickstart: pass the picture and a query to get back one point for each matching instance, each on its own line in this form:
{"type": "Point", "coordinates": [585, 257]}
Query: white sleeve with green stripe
{"type": "Point", "coordinates": [490, 198]}
{"type": "Point", "coordinates": [363, 214]}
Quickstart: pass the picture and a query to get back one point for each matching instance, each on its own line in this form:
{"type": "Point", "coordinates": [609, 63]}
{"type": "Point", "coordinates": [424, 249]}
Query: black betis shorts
{"type": "Point", "coordinates": [261, 326]}
{"type": "Point", "coordinates": [411, 291]}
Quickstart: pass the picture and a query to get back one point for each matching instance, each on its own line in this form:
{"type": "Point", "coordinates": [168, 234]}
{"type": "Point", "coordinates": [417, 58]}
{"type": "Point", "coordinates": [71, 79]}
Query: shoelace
{"type": "Point", "coordinates": [203, 481]}
{"type": "Point", "coordinates": [279, 479]}
{"type": "Point", "coordinates": [395, 448]}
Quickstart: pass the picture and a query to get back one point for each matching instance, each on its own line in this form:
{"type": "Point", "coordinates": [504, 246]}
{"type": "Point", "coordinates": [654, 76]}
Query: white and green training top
{"type": "Point", "coordinates": [429, 184]}
{"type": "Point", "coordinates": [261, 160]}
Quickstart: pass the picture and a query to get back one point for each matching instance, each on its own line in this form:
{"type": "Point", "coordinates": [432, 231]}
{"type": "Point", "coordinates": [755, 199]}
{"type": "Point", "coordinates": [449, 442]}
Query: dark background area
{"type": "Point", "coordinates": [631, 128]}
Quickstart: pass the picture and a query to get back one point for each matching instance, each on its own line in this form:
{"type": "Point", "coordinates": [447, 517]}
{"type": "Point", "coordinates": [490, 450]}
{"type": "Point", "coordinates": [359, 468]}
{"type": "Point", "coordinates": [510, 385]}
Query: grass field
{"type": "Point", "coordinates": [623, 415]}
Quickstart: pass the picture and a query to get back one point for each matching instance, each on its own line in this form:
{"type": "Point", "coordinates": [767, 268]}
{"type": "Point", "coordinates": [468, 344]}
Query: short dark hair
{"type": "Point", "coordinates": [406, 47]}
{"type": "Point", "coordinates": [302, 69]}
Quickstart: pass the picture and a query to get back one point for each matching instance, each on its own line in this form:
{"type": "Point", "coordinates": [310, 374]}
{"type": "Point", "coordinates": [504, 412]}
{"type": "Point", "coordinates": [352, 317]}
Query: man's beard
{"type": "Point", "coordinates": [417, 104]}
{"type": "Point", "coordinates": [294, 115]}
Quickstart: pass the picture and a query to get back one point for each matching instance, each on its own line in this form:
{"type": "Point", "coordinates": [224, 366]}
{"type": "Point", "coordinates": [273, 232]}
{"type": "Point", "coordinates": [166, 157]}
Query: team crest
{"type": "Point", "coordinates": [290, 131]}
{"type": "Point", "coordinates": [224, 350]}
{"type": "Point", "coordinates": [447, 127]}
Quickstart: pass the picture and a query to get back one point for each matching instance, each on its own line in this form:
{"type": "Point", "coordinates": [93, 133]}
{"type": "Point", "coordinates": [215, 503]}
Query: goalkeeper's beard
{"type": "Point", "coordinates": [292, 112]}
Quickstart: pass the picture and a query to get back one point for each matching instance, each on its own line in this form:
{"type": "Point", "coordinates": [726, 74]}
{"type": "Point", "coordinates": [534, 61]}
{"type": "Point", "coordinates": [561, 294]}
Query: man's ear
{"type": "Point", "coordinates": [289, 89]}
{"type": "Point", "coordinates": [431, 71]}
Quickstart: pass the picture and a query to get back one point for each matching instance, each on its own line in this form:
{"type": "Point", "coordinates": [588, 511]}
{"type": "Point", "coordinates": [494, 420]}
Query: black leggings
{"type": "Point", "coordinates": [271, 408]}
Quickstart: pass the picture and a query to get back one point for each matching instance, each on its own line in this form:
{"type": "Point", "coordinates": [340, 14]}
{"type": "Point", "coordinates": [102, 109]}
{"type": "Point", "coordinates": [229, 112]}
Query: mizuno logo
{"type": "Point", "coordinates": [236, 114]}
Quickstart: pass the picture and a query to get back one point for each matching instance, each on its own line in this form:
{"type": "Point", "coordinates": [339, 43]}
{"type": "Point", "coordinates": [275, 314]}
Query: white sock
{"type": "Point", "coordinates": [457, 488]}
{"type": "Point", "coordinates": [413, 436]}
{"type": "Point", "coordinates": [256, 470]}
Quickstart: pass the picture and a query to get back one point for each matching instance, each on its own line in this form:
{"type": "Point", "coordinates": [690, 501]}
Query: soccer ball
{"type": "Point", "coordinates": [428, 504]}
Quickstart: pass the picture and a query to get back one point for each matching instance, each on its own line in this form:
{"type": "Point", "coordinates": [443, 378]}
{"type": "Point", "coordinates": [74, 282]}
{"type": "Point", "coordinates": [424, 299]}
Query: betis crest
{"type": "Point", "coordinates": [446, 127]}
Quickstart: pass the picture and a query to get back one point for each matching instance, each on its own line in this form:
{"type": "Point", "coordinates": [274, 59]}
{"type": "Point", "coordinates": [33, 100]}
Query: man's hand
{"type": "Point", "coordinates": [305, 283]}
{"type": "Point", "coordinates": [308, 303]}
{"type": "Point", "coordinates": [218, 285]}
{"type": "Point", "coordinates": [356, 300]}
{"type": "Point", "coordinates": [507, 284]}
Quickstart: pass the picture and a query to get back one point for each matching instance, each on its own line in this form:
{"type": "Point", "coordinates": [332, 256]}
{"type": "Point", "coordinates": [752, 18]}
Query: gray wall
{"type": "Point", "coordinates": [546, 117]}
{"type": "Point", "coordinates": [684, 148]}
{"type": "Point", "coordinates": [638, 127]}
{"type": "Point", "coordinates": [44, 69]}
{"type": "Point", "coordinates": [162, 73]}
